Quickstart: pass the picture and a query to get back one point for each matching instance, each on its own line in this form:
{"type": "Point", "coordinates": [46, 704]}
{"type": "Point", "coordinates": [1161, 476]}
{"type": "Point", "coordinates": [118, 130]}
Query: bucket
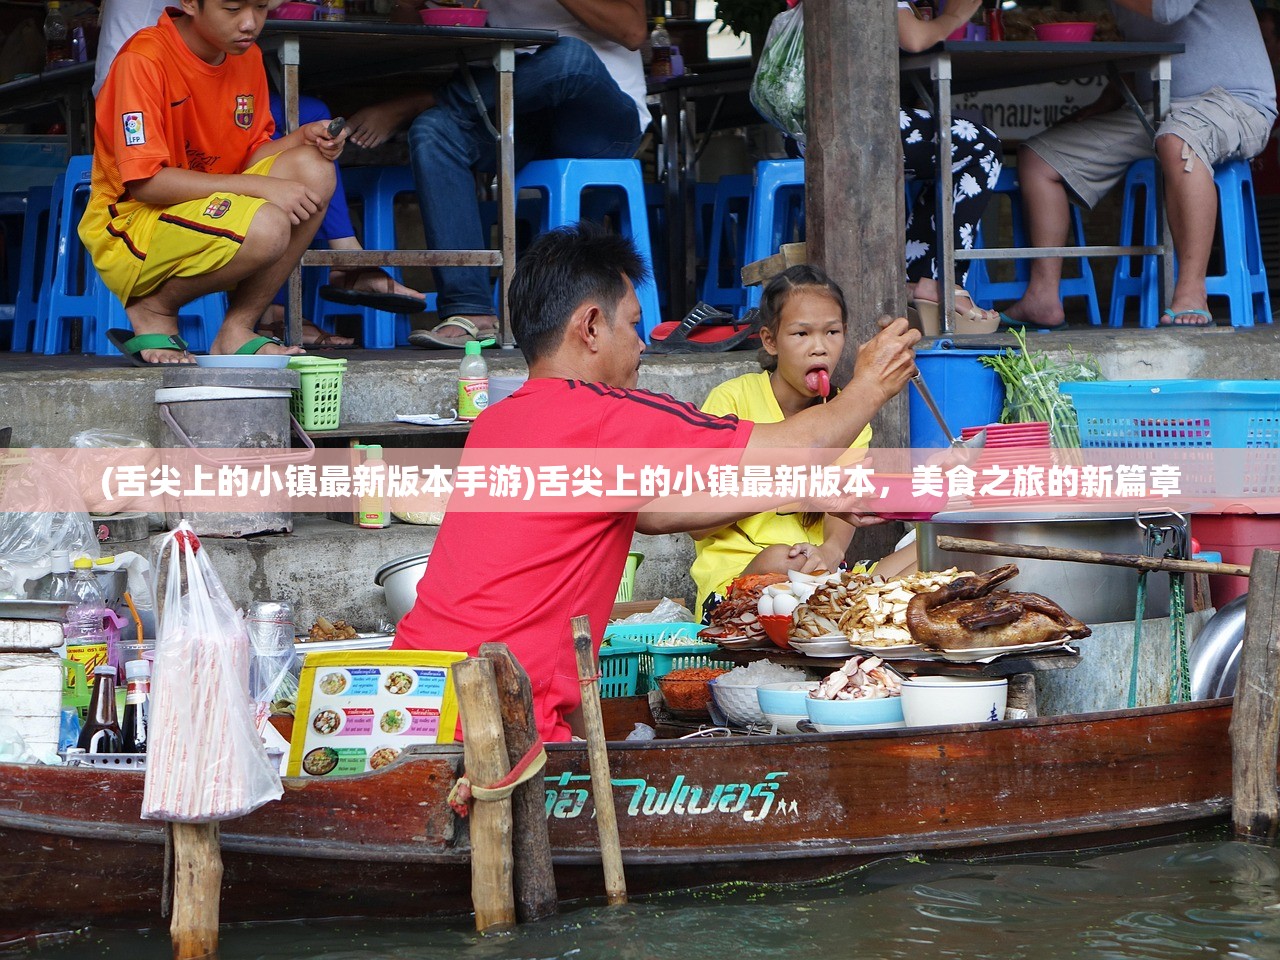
{"type": "Point", "coordinates": [968, 393]}
{"type": "Point", "coordinates": [1235, 536]}
{"type": "Point", "coordinates": [233, 408]}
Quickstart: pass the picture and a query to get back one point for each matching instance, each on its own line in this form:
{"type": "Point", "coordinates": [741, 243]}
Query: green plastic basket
{"type": "Point", "coordinates": [628, 585]}
{"type": "Point", "coordinates": [620, 668]}
{"type": "Point", "coordinates": [317, 402]}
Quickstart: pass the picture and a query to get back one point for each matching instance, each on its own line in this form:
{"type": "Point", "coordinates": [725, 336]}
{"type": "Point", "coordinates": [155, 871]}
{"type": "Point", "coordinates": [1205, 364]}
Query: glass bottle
{"type": "Point", "coordinates": [101, 731]}
{"type": "Point", "coordinates": [134, 726]}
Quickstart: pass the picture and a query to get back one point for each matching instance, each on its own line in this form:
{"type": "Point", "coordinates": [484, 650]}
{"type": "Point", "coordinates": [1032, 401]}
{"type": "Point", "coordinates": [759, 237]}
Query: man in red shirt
{"type": "Point", "coordinates": [519, 577]}
{"type": "Point", "coordinates": [190, 194]}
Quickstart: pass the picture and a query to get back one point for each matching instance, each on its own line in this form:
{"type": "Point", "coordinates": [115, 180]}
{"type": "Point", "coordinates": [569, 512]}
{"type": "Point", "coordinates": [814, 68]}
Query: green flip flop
{"type": "Point", "coordinates": [250, 347]}
{"type": "Point", "coordinates": [132, 346]}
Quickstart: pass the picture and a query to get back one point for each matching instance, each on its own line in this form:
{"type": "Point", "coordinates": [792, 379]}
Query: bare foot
{"type": "Point", "coordinates": [231, 339]}
{"type": "Point", "coordinates": [370, 280]}
{"type": "Point", "coordinates": [1188, 316]}
{"type": "Point", "coordinates": [374, 125]}
{"type": "Point", "coordinates": [1037, 312]}
{"type": "Point", "coordinates": [272, 325]}
{"type": "Point", "coordinates": [146, 321]}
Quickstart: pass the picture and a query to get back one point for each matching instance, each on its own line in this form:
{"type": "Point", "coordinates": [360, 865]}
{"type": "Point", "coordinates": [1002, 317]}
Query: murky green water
{"type": "Point", "coordinates": [1204, 897]}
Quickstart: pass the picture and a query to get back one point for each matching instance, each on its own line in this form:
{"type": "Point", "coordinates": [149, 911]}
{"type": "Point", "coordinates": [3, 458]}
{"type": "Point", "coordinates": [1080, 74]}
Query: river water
{"type": "Point", "coordinates": [1204, 896]}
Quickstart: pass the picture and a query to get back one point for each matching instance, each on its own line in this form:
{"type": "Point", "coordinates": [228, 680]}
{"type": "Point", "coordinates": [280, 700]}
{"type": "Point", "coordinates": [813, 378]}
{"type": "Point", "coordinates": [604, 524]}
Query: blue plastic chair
{"type": "Point", "coordinates": [563, 182]}
{"type": "Point", "coordinates": [31, 265]}
{"type": "Point", "coordinates": [1243, 280]}
{"type": "Point", "coordinates": [727, 243]}
{"type": "Point", "coordinates": [776, 214]}
{"type": "Point", "coordinates": [985, 291]}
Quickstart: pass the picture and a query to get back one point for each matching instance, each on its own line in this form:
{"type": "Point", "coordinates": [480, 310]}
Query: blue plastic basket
{"type": "Point", "coordinates": [1177, 413]}
{"type": "Point", "coordinates": [659, 658]}
{"type": "Point", "coordinates": [660, 661]}
{"type": "Point", "coordinates": [620, 667]}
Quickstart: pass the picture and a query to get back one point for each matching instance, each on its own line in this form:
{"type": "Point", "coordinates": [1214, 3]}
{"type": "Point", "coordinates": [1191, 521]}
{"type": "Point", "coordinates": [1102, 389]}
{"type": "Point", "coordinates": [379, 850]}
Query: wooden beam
{"type": "Point", "coordinates": [1255, 719]}
{"type": "Point", "coordinates": [854, 215]}
{"type": "Point", "coordinates": [197, 891]}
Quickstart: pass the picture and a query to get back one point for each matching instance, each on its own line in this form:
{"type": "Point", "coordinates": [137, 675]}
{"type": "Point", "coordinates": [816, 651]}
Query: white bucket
{"type": "Point", "coordinates": [932, 701]}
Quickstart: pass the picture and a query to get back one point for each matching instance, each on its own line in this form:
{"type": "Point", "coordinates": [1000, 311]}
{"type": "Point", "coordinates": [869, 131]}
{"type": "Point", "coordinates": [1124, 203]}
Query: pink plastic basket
{"type": "Point", "coordinates": [294, 10]}
{"type": "Point", "coordinates": [1074, 32]}
{"type": "Point", "coordinates": [454, 16]}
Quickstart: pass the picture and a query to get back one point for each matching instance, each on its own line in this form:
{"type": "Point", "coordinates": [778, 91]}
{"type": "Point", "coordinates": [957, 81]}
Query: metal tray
{"type": "Point", "coordinates": [34, 609]}
{"type": "Point", "coordinates": [362, 641]}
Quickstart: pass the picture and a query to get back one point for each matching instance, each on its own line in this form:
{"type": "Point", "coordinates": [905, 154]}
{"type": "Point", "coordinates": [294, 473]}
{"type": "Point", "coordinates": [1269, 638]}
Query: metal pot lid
{"type": "Point", "coordinates": [400, 563]}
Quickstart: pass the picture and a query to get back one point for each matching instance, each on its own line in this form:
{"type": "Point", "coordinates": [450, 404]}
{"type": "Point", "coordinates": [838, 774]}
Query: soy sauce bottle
{"type": "Point", "coordinates": [101, 732]}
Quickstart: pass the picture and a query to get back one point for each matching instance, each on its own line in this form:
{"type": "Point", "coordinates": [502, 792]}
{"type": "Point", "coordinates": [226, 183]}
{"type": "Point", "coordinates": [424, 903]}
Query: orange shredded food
{"type": "Point", "coordinates": [687, 689]}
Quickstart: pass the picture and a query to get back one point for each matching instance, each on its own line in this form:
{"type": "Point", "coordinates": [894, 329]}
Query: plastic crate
{"type": "Point", "coordinates": [317, 403]}
{"type": "Point", "coordinates": [1208, 415]}
{"type": "Point", "coordinates": [660, 661]}
{"type": "Point", "coordinates": [620, 668]}
{"type": "Point", "coordinates": [628, 585]}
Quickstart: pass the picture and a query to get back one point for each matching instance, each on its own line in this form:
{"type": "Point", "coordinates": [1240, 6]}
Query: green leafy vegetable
{"type": "Point", "coordinates": [777, 90]}
{"type": "Point", "coordinates": [1031, 381]}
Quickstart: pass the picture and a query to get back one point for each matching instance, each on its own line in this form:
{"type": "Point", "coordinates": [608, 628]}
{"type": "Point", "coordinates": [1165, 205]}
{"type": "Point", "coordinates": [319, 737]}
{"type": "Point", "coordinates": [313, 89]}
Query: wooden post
{"type": "Point", "coordinates": [485, 757]}
{"type": "Point", "coordinates": [854, 221]}
{"type": "Point", "coordinates": [535, 882]}
{"type": "Point", "coordinates": [1255, 719]}
{"type": "Point", "coordinates": [615, 884]}
{"type": "Point", "coordinates": [197, 887]}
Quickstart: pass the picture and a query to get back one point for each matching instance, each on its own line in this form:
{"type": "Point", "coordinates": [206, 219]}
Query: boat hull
{"type": "Point", "coordinates": [74, 852]}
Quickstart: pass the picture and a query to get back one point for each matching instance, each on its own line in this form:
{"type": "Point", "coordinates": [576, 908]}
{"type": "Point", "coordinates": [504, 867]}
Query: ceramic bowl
{"type": "Point", "coordinates": [454, 16]}
{"type": "Point", "coordinates": [399, 581]}
{"type": "Point", "coordinates": [932, 701]}
{"type": "Point", "coordinates": [738, 702]}
{"type": "Point", "coordinates": [783, 703]}
{"type": "Point", "coordinates": [829, 716]}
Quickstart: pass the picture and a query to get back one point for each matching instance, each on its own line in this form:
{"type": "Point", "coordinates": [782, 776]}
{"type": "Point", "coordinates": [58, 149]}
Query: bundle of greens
{"type": "Point", "coordinates": [777, 90]}
{"type": "Point", "coordinates": [1031, 380]}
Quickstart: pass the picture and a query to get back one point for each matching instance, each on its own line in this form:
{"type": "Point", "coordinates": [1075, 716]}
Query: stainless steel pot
{"type": "Point", "coordinates": [1091, 592]}
{"type": "Point", "coordinates": [1214, 654]}
{"type": "Point", "coordinates": [399, 582]}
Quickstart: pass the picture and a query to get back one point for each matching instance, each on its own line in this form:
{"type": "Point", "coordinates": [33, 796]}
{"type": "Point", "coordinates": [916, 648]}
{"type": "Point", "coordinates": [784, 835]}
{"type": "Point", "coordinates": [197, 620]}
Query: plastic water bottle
{"type": "Point", "coordinates": [473, 383]}
{"type": "Point", "coordinates": [86, 642]}
{"type": "Point", "coordinates": [59, 576]}
{"type": "Point", "coordinates": [57, 44]}
{"type": "Point", "coordinates": [660, 44]}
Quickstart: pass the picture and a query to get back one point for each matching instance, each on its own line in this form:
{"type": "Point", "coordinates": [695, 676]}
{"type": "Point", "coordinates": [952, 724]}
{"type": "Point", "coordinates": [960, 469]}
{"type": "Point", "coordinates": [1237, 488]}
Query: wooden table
{"type": "Point", "coordinates": [959, 66]}
{"type": "Point", "coordinates": [70, 89]}
{"type": "Point", "coordinates": [675, 103]}
{"type": "Point", "coordinates": [320, 52]}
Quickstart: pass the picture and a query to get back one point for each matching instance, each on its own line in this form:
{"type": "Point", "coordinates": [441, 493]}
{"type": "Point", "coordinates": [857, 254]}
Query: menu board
{"type": "Point", "coordinates": [357, 710]}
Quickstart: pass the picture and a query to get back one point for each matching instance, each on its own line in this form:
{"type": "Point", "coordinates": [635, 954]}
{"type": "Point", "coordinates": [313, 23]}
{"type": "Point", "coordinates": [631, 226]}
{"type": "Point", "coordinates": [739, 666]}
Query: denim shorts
{"type": "Point", "coordinates": [1092, 156]}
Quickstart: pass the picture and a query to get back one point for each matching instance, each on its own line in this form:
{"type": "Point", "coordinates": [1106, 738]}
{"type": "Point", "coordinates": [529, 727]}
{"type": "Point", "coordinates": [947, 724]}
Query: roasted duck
{"type": "Point", "coordinates": [970, 612]}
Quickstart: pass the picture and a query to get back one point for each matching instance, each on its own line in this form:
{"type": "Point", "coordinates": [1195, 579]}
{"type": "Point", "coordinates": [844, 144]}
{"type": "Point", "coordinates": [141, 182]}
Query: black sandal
{"type": "Point", "coordinates": [705, 330]}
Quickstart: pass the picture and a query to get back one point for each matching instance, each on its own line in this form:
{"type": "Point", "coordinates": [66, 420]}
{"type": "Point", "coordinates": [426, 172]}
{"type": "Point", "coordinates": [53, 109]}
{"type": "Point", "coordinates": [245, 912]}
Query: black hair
{"type": "Point", "coordinates": [563, 269]}
{"type": "Point", "coordinates": [779, 290]}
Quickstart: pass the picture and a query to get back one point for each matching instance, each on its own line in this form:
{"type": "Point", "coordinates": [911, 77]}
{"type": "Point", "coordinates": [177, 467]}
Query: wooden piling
{"type": "Point", "coordinates": [1255, 718]}
{"type": "Point", "coordinates": [535, 882]}
{"type": "Point", "coordinates": [615, 884]}
{"type": "Point", "coordinates": [197, 888]}
{"type": "Point", "coordinates": [485, 758]}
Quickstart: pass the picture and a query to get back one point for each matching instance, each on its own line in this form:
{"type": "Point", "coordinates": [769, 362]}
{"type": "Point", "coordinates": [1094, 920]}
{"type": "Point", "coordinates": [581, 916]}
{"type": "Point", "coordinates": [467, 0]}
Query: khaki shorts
{"type": "Point", "coordinates": [188, 239]}
{"type": "Point", "coordinates": [1092, 156]}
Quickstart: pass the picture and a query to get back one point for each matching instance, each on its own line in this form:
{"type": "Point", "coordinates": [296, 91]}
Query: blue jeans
{"type": "Point", "coordinates": [566, 105]}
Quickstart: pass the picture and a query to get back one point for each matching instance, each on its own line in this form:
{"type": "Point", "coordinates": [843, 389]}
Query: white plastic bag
{"type": "Point", "coordinates": [205, 760]}
{"type": "Point", "coordinates": [777, 89]}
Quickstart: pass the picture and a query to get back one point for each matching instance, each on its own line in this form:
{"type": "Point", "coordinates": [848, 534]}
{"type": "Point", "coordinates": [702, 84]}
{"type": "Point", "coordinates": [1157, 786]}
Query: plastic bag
{"type": "Point", "coordinates": [30, 527]}
{"type": "Point", "coordinates": [205, 760]}
{"type": "Point", "coordinates": [777, 89]}
{"type": "Point", "coordinates": [90, 471]}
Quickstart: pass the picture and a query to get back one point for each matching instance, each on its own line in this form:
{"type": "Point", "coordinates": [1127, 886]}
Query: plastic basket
{"type": "Point", "coordinates": [1204, 414]}
{"type": "Point", "coordinates": [660, 661]}
{"type": "Point", "coordinates": [317, 402]}
{"type": "Point", "coordinates": [620, 668]}
{"type": "Point", "coordinates": [628, 585]}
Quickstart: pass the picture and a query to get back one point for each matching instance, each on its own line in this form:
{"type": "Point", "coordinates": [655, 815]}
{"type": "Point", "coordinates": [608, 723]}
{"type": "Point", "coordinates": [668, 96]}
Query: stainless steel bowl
{"type": "Point", "coordinates": [399, 582]}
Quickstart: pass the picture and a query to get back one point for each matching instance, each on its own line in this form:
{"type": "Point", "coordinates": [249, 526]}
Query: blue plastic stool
{"type": "Point", "coordinates": [35, 238]}
{"type": "Point", "coordinates": [564, 181]}
{"type": "Point", "coordinates": [377, 189]}
{"type": "Point", "coordinates": [985, 291]}
{"type": "Point", "coordinates": [727, 243]}
{"type": "Point", "coordinates": [1244, 278]}
{"type": "Point", "coordinates": [776, 214]}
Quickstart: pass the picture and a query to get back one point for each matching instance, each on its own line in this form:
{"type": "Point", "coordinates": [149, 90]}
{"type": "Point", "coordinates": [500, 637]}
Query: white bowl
{"type": "Point", "coordinates": [855, 727]}
{"type": "Point", "coordinates": [738, 703]}
{"type": "Point", "coordinates": [786, 722]}
{"type": "Point", "coordinates": [266, 361]}
{"type": "Point", "coordinates": [932, 701]}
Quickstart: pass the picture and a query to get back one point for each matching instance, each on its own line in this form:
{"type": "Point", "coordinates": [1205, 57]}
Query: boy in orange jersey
{"type": "Point", "coordinates": [190, 194]}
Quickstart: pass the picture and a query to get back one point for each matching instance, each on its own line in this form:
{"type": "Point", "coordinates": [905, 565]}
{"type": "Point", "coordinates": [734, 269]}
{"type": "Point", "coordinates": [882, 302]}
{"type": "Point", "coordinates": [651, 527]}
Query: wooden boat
{"type": "Point", "coordinates": [73, 850]}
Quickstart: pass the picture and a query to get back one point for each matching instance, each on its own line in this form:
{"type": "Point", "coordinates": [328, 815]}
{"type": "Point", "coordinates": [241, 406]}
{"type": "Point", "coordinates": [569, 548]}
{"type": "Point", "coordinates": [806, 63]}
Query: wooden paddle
{"type": "Point", "coordinates": [615, 884]}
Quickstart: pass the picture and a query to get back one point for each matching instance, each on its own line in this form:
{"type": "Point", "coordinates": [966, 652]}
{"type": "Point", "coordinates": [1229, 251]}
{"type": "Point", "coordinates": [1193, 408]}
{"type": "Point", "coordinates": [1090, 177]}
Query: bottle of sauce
{"type": "Point", "coordinates": [133, 729]}
{"type": "Point", "coordinates": [660, 44]}
{"type": "Point", "coordinates": [101, 732]}
{"type": "Point", "coordinates": [372, 507]}
{"type": "Point", "coordinates": [57, 43]}
{"type": "Point", "coordinates": [473, 382]}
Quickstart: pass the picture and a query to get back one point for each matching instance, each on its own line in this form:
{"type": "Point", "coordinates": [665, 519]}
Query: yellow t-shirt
{"type": "Point", "coordinates": [723, 555]}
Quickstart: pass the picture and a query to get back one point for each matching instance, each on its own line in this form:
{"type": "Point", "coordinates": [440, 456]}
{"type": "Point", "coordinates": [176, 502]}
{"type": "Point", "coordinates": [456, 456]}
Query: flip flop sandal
{"type": "Point", "coordinates": [1206, 318]}
{"type": "Point", "coordinates": [429, 338]}
{"type": "Point", "coordinates": [132, 346]}
{"type": "Point", "coordinates": [705, 330]}
{"type": "Point", "coordinates": [390, 302]}
{"type": "Point", "coordinates": [251, 347]}
{"type": "Point", "coordinates": [1009, 323]}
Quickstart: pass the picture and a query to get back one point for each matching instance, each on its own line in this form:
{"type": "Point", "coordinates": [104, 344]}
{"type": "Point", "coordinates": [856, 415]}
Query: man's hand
{"type": "Point", "coordinates": [886, 362]}
{"type": "Point", "coordinates": [316, 134]}
{"type": "Point", "coordinates": [290, 196]}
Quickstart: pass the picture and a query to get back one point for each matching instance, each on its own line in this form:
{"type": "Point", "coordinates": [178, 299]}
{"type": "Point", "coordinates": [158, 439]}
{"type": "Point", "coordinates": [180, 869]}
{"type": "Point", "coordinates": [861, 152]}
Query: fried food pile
{"type": "Point", "coordinates": [324, 629]}
{"type": "Point", "coordinates": [869, 610]}
{"type": "Point", "coordinates": [971, 613]}
{"type": "Point", "coordinates": [736, 617]}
